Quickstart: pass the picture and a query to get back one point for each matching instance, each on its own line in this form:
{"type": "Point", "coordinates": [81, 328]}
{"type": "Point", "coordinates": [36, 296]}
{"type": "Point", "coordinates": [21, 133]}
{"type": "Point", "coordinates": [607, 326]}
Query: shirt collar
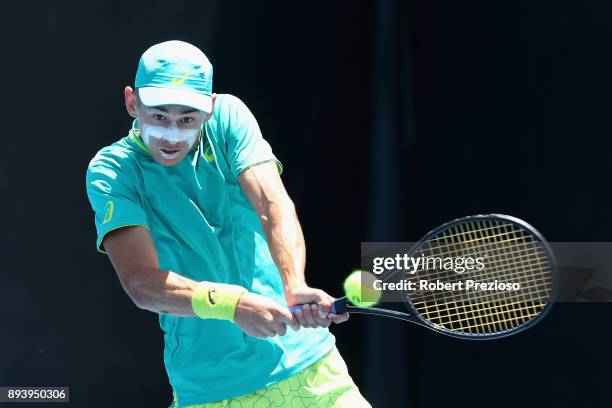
{"type": "Point", "coordinates": [134, 137]}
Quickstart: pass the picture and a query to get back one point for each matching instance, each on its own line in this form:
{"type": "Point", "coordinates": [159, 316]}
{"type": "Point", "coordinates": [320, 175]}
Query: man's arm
{"type": "Point", "coordinates": [264, 188]}
{"type": "Point", "coordinates": [132, 253]}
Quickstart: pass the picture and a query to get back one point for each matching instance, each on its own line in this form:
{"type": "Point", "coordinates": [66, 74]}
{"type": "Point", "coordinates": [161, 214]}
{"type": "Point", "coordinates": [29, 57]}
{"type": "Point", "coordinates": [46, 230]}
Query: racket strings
{"type": "Point", "coordinates": [484, 318]}
{"type": "Point", "coordinates": [509, 270]}
{"type": "Point", "coordinates": [479, 310]}
{"type": "Point", "coordinates": [511, 254]}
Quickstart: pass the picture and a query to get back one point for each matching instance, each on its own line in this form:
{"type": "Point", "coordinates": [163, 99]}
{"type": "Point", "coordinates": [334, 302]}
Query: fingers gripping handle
{"type": "Point", "coordinates": [338, 307]}
{"type": "Point", "coordinates": [294, 309]}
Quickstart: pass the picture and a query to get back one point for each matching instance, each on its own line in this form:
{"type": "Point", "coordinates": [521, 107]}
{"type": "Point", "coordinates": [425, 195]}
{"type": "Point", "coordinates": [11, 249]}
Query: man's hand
{"type": "Point", "coordinates": [317, 306]}
{"type": "Point", "coordinates": [262, 317]}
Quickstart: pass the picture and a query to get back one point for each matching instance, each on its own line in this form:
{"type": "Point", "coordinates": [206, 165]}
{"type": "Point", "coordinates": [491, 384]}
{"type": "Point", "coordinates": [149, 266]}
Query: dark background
{"type": "Point", "coordinates": [390, 117]}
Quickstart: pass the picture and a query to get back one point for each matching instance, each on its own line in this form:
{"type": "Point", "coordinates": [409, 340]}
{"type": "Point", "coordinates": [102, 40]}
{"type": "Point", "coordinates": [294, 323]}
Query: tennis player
{"type": "Point", "coordinates": [192, 212]}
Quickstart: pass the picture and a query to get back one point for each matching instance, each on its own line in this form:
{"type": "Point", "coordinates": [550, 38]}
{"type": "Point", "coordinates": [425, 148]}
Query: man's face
{"type": "Point", "coordinates": [170, 131]}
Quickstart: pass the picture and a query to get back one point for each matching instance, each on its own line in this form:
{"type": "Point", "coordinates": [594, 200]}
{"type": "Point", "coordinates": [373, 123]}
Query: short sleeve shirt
{"type": "Point", "coordinates": [204, 228]}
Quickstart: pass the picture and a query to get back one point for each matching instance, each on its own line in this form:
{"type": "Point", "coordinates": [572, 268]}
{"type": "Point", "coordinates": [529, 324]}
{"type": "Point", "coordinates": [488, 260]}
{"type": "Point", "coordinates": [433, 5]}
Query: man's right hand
{"type": "Point", "coordinates": [262, 317]}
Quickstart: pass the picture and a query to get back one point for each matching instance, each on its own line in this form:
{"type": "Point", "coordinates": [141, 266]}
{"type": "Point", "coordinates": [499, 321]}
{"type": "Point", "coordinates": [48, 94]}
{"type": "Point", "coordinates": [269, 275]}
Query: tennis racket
{"type": "Point", "coordinates": [513, 253]}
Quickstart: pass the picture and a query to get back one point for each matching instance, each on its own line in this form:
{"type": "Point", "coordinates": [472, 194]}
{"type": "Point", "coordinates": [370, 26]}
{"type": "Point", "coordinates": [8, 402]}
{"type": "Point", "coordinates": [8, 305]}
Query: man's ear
{"type": "Point", "coordinates": [130, 101]}
{"type": "Point", "coordinates": [209, 115]}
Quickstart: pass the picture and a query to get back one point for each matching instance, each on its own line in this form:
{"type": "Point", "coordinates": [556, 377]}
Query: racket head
{"type": "Point", "coordinates": [478, 317]}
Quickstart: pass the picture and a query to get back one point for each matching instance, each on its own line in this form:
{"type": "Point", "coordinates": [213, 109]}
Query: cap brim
{"type": "Point", "coordinates": [154, 96]}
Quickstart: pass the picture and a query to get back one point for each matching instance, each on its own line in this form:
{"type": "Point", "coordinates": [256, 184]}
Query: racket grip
{"type": "Point", "coordinates": [295, 308]}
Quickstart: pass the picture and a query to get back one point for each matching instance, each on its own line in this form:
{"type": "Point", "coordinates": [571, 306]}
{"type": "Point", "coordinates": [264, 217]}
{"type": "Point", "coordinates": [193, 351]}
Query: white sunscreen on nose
{"type": "Point", "coordinates": [171, 134]}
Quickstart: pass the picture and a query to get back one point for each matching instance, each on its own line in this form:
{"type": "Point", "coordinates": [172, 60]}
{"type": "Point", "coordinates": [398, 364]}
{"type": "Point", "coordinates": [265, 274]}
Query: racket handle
{"type": "Point", "coordinates": [294, 309]}
{"type": "Point", "coordinates": [339, 306]}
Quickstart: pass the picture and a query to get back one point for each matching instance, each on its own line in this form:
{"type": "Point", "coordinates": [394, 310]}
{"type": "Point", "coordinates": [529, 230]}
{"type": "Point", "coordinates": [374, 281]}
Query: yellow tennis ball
{"type": "Point", "coordinates": [359, 289]}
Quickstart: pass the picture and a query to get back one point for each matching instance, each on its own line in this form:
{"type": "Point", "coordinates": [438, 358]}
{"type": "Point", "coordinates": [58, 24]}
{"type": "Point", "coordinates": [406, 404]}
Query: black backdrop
{"type": "Point", "coordinates": [521, 84]}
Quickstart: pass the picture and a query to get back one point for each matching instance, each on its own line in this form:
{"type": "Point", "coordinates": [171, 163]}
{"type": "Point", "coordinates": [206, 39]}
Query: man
{"type": "Point", "coordinates": [191, 210]}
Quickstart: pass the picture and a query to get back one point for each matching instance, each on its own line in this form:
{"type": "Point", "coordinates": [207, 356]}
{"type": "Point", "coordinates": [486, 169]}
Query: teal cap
{"type": "Point", "coordinates": [175, 73]}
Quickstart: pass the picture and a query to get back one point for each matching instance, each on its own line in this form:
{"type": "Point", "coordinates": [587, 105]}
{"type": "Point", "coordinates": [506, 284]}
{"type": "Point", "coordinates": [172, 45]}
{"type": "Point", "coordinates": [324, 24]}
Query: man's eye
{"type": "Point", "coordinates": [157, 116]}
{"type": "Point", "coordinates": [187, 120]}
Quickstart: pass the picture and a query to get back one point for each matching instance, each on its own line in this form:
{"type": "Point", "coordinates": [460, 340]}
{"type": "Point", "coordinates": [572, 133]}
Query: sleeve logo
{"type": "Point", "coordinates": [108, 212]}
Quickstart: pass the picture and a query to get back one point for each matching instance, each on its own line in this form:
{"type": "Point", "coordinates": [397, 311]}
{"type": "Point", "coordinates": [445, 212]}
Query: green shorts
{"type": "Point", "coordinates": [324, 384]}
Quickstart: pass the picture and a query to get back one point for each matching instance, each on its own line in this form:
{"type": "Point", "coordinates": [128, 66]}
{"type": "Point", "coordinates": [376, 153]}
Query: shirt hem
{"type": "Point", "coordinates": [279, 166]}
{"type": "Point", "coordinates": [101, 240]}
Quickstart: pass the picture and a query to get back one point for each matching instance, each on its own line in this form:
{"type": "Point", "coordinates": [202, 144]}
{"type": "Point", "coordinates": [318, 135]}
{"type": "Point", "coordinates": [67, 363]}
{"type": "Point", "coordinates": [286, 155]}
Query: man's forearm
{"type": "Point", "coordinates": [286, 243]}
{"type": "Point", "coordinates": [133, 255]}
{"type": "Point", "coordinates": [167, 292]}
{"type": "Point", "coordinates": [163, 291]}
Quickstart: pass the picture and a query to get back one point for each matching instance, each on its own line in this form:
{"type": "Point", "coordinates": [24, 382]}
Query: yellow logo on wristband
{"type": "Point", "coordinates": [212, 300]}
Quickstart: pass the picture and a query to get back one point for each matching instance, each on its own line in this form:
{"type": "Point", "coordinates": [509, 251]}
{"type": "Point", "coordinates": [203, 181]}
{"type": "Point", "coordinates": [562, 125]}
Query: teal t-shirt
{"type": "Point", "coordinates": [205, 228]}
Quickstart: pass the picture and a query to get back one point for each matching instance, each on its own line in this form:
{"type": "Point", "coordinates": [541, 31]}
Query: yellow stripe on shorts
{"type": "Point", "coordinates": [324, 384]}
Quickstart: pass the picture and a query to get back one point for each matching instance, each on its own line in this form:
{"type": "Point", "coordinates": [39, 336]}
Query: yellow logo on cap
{"type": "Point", "coordinates": [108, 212]}
{"type": "Point", "coordinates": [180, 79]}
